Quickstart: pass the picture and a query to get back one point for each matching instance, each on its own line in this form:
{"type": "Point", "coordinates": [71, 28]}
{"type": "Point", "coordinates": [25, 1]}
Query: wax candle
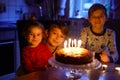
{"type": "Point", "coordinates": [65, 44]}
{"type": "Point", "coordinates": [74, 42]}
{"type": "Point", "coordinates": [79, 43]}
{"type": "Point", "coordinates": [69, 42]}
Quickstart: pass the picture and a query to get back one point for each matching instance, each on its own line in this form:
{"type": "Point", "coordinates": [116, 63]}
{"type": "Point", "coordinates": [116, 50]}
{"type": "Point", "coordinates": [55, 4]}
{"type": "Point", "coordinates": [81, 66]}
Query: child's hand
{"type": "Point", "coordinates": [104, 56]}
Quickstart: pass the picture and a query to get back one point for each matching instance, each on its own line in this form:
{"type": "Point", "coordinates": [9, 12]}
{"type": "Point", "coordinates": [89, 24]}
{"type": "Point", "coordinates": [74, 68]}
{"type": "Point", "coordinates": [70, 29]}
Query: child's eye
{"type": "Point", "coordinates": [62, 36]}
{"type": "Point", "coordinates": [38, 34]}
{"type": "Point", "coordinates": [30, 34]}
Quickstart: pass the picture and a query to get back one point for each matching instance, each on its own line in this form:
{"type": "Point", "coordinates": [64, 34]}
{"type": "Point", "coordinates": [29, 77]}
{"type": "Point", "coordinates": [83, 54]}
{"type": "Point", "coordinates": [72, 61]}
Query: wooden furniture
{"type": "Point", "coordinates": [59, 74]}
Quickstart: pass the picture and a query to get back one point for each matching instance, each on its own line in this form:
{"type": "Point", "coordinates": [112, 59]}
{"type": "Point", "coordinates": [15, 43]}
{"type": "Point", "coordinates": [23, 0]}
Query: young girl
{"type": "Point", "coordinates": [97, 38]}
{"type": "Point", "coordinates": [34, 54]}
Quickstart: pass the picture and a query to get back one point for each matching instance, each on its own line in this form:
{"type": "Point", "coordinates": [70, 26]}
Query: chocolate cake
{"type": "Point", "coordinates": [74, 55]}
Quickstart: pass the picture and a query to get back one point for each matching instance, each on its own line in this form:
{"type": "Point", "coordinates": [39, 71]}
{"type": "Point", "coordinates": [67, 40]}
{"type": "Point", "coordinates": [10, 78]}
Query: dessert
{"type": "Point", "coordinates": [73, 55]}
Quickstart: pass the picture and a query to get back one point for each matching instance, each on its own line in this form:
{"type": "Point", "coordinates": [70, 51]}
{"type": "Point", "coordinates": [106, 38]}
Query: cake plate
{"type": "Point", "coordinates": [75, 71]}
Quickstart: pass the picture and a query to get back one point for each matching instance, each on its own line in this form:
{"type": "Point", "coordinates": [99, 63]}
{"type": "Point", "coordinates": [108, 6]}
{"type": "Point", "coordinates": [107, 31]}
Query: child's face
{"type": "Point", "coordinates": [55, 37]}
{"type": "Point", "coordinates": [34, 37]}
{"type": "Point", "coordinates": [97, 19]}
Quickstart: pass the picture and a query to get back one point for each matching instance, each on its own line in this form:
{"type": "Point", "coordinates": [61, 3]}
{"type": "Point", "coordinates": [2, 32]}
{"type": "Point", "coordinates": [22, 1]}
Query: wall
{"type": "Point", "coordinates": [14, 10]}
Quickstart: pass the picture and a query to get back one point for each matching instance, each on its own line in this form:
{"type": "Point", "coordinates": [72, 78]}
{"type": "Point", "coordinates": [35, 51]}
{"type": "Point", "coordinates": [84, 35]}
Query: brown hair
{"type": "Point", "coordinates": [30, 25]}
{"type": "Point", "coordinates": [61, 26]}
{"type": "Point", "coordinates": [95, 7]}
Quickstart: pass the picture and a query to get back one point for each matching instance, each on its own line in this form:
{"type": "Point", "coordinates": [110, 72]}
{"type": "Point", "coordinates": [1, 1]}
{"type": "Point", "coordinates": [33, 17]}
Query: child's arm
{"type": "Point", "coordinates": [112, 47]}
{"type": "Point", "coordinates": [110, 54]}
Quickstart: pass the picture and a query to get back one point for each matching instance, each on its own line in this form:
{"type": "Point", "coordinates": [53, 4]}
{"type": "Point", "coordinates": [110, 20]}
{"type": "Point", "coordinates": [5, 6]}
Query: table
{"type": "Point", "coordinates": [59, 74]}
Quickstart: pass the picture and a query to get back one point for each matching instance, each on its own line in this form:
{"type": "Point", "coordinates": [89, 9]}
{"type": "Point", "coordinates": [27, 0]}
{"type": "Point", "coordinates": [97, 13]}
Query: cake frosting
{"type": "Point", "coordinates": [73, 55]}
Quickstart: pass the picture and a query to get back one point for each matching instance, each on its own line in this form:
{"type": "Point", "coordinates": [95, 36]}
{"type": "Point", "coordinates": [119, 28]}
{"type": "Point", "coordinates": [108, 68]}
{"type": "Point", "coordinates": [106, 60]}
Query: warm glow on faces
{"type": "Point", "coordinates": [97, 19]}
{"type": "Point", "coordinates": [35, 36]}
{"type": "Point", "coordinates": [55, 37]}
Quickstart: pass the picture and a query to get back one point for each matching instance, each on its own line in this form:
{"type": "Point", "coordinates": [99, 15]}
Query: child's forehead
{"type": "Point", "coordinates": [58, 30]}
{"type": "Point", "coordinates": [98, 12]}
{"type": "Point", "coordinates": [35, 27]}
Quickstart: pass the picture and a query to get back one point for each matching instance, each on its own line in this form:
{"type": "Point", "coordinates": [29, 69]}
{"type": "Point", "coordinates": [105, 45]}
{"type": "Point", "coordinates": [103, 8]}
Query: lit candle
{"type": "Point", "coordinates": [65, 44]}
{"type": "Point", "coordinates": [72, 43]}
{"type": "Point", "coordinates": [79, 43]}
{"type": "Point", "coordinates": [75, 42]}
{"type": "Point", "coordinates": [69, 43]}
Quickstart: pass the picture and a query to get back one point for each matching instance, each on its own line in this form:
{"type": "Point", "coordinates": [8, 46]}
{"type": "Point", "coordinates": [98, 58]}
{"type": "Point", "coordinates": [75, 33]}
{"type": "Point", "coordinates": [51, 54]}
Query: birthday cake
{"type": "Point", "coordinates": [73, 55]}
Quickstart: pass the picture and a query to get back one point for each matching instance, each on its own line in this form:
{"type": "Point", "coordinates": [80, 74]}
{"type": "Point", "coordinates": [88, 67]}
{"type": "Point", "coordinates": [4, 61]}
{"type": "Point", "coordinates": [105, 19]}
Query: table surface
{"type": "Point", "coordinates": [60, 74]}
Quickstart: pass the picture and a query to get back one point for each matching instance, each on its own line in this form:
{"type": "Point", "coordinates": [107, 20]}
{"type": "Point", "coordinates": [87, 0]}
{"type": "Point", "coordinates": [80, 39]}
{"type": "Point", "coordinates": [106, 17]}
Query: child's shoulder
{"type": "Point", "coordinates": [85, 29]}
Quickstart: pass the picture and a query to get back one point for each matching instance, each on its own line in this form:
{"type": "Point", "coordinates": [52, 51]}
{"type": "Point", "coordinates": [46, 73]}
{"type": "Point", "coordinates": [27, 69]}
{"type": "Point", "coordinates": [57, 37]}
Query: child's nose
{"type": "Point", "coordinates": [35, 36]}
{"type": "Point", "coordinates": [58, 36]}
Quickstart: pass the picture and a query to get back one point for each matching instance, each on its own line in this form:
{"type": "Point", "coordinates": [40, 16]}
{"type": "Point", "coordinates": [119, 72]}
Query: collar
{"type": "Point", "coordinates": [98, 34]}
